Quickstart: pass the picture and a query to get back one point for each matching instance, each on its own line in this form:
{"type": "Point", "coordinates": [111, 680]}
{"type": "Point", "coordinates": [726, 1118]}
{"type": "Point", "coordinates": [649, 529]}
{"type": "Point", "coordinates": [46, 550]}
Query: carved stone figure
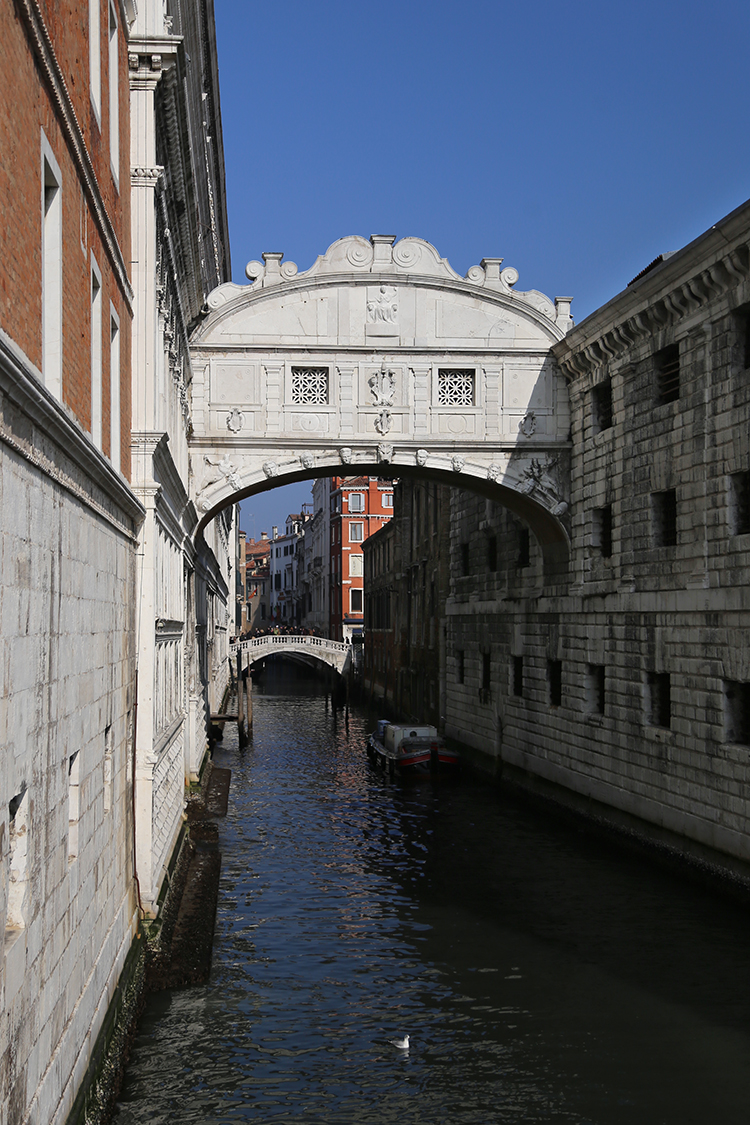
{"type": "Point", "coordinates": [307, 460]}
{"type": "Point", "coordinates": [383, 422]}
{"type": "Point", "coordinates": [493, 472]}
{"type": "Point", "coordinates": [527, 425]}
{"type": "Point", "coordinates": [382, 385]}
{"type": "Point", "coordinates": [385, 451]}
{"type": "Point", "coordinates": [270, 468]}
{"type": "Point", "coordinates": [221, 467]}
{"type": "Point", "coordinates": [422, 456]}
{"type": "Point", "coordinates": [346, 455]}
{"type": "Point", "coordinates": [541, 478]}
{"type": "Point", "coordinates": [383, 309]}
{"type": "Point", "coordinates": [235, 420]}
{"type": "Point", "coordinates": [458, 464]}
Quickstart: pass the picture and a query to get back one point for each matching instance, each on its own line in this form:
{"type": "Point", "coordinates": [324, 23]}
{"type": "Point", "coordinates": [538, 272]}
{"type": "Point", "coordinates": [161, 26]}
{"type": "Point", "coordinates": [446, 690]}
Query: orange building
{"type": "Point", "coordinates": [360, 506]}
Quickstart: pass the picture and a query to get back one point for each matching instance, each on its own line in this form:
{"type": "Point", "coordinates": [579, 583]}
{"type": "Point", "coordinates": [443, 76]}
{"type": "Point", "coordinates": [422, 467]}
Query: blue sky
{"type": "Point", "coordinates": [575, 140]}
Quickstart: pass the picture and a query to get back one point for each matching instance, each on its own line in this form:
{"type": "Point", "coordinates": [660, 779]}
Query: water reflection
{"type": "Point", "coordinates": [541, 976]}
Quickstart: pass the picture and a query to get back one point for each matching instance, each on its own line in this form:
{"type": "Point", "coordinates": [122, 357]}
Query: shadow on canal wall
{"type": "Point", "coordinates": [173, 951]}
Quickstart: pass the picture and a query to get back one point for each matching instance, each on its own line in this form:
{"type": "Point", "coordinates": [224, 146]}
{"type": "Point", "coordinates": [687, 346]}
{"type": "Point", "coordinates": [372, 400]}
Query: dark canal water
{"type": "Point", "coordinates": [541, 975]}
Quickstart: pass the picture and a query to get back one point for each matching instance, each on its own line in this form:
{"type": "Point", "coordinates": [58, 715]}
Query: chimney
{"type": "Point", "coordinates": [263, 536]}
{"type": "Point", "coordinates": [275, 531]}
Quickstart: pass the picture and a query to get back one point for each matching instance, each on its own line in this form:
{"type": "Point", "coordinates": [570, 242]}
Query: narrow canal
{"type": "Point", "coordinates": [541, 975]}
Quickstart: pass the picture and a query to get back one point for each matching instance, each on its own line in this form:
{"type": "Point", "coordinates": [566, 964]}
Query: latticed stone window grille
{"type": "Point", "coordinates": [455, 386]}
{"type": "Point", "coordinates": [309, 386]}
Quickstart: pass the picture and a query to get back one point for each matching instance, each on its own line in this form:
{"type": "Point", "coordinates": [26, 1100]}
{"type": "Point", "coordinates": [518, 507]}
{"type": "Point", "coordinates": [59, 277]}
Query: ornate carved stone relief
{"type": "Point", "coordinates": [383, 422]}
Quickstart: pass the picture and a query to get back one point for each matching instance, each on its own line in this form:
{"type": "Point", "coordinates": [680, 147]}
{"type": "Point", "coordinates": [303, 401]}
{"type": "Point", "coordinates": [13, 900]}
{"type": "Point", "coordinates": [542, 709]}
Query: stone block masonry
{"type": "Point", "coordinates": [628, 682]}
{"type": "Point", "coordinates": [67, 900]}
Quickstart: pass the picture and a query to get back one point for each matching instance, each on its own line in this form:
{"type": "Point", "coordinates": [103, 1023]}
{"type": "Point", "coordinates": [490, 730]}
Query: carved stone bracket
{"type": "Point", "coordinates": [541, 478]}
{"type": "Point", "coordinates": [385, 451]}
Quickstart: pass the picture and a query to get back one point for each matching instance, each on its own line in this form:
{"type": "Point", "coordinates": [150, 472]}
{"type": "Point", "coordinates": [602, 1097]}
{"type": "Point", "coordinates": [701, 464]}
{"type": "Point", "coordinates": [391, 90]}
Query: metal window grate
{"type": "Point", "coordinates": [455, 386]}
{"type": "Point", "coordinates": [601, 396]}
{"type": "Point", "coordinates": [309, 386]}
{"type": "Point", "coordinates": [486, 671]}
{"type": "Point", "coordinates": [737, 712]}
{"type": "Point", "coordinates": [741, 503]}
{"type": "Point", "coordinates": [595, 688]}
{"type": "Point", "coordinates": [660, 699]}
{"type": "Point", "coordinates": [554, 678]}
{"type": "Point", "coordinates": [665, 518]}
{"type": "Point", "coordinates": [518, 675]}
{"type": "Point", "coordinates": [668, 374]}
{"type": "Point", "coordinates": [603, 530]}
{"type": "Point", "coordinates": [524, 547]}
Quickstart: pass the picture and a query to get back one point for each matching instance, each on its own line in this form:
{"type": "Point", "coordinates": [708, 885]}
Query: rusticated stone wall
{"type": "Point", "coordinates": [632, 686]}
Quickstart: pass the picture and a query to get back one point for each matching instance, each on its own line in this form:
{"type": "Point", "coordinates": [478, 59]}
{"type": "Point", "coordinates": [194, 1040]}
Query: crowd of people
{"type": "Point", "coordinates": [277, 631]}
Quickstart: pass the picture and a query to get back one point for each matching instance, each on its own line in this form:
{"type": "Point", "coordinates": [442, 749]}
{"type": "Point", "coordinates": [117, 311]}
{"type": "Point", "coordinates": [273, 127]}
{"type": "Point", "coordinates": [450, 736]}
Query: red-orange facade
{"type": "Point", "coordinates": [360, 506]}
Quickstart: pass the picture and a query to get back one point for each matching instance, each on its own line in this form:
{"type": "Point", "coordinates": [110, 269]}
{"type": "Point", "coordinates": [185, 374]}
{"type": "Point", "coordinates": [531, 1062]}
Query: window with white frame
{"type": "Point", "coordinates": [309, 386]}
{"type": "Point", "coordinates": [114, 388]}
{"type": "Point", "coordinates": [455, 386]}
{"type": "Point", "coordinates": [95, 58]}
{"type": "Point", "coordinates": [96, 354]}
{"type": "Point", "coordinates": [114, 96]}
{"type": "Point", "coordinates": [356, 532]}
{"type": "Point", "coordinates": [356, 502]}
{"type": "Point", "coordinates": [387, 499]}
{"type": "Point", "coordinates": [51, 271]}
{"type": "Point", "coordinates": [356, 566]}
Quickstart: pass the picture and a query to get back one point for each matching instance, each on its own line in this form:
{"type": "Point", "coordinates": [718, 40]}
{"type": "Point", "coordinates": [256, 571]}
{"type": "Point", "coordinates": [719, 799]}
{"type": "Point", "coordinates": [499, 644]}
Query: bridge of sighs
{"type": "Point", "coordinates": [380, 359]}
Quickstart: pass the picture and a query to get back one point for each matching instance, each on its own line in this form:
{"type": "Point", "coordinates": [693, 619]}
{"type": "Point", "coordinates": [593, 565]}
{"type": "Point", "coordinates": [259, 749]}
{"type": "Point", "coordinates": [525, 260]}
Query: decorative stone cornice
{"type": "Point", "coordinates": [47, 59]}
{"type": "Point", "coordinates": [380, 259]}
{"type": "Point", "coordinates": [678, 288]}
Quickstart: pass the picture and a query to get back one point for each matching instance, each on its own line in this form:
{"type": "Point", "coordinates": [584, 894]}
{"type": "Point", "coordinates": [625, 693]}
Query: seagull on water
{"type": "Point", "coordinates": [401, 1044]}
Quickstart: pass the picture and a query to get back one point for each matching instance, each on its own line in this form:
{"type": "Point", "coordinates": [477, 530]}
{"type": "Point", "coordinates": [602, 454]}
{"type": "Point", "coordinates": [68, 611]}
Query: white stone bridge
{"type": "Point", "coordinates": [381, 360]}
{"type": "Point", "coordinates": [337, 654]}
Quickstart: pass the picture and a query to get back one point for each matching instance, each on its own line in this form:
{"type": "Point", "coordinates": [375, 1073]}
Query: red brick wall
{"type": "Point", "coordinates": [27, 107]}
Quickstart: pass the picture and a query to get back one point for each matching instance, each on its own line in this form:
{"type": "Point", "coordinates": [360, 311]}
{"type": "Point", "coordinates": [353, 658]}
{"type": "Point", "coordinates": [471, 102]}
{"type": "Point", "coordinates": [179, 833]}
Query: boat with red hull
{"type": "Point", "coordinates": [411, 749]}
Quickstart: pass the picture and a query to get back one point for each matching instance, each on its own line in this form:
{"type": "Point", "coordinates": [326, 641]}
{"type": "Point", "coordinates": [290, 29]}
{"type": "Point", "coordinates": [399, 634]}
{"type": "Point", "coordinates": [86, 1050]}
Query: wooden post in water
{"type": "Point", "coordinates": [249, 700]}
{"type": "Point", "coordinates": [241, 730]}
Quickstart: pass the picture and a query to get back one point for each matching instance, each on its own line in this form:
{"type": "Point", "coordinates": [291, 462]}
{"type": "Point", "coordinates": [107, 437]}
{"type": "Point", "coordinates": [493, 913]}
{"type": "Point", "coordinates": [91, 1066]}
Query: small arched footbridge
{"type": "Point", "coordinates": [337, 654]}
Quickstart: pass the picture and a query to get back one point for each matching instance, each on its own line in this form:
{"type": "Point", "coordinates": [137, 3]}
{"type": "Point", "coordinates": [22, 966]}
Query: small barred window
{"type": "Point", "coordinates": [310, 386]}
{"type": "Point", "coordinates": [455, 387]}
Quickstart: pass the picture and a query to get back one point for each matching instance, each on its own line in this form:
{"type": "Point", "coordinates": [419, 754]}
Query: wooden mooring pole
{"type": "Point", "coordinates": [241, 727]}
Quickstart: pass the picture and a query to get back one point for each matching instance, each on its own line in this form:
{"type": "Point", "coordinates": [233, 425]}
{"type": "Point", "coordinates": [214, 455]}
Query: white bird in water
{"type": "Point", "coordinates": [402, 1044]}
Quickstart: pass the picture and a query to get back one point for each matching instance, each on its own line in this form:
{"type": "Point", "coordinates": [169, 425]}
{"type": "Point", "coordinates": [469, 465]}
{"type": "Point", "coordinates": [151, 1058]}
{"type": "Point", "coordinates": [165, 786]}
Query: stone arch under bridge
{"type": "Point", "coordinates": [308, 649]}
{"type": "Point", "coordinates": [380, 359]}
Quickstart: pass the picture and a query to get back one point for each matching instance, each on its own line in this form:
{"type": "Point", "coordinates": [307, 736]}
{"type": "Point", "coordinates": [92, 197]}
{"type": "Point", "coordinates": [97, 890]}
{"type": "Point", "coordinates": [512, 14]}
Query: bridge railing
{"type": "Point", "coordinates": [288, 640]}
